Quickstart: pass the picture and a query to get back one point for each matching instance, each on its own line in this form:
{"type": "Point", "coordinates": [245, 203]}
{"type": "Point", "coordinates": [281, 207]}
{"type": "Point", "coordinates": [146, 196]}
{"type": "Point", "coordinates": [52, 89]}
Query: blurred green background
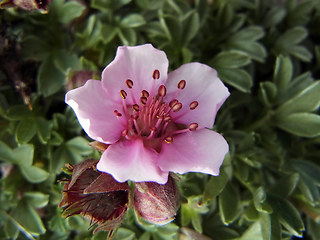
{"type": "Point", "coordinates": [266, 51]}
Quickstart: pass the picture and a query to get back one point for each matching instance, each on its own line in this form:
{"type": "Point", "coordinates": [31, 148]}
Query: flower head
{"type": "Point", "coordinates": [155, 122]}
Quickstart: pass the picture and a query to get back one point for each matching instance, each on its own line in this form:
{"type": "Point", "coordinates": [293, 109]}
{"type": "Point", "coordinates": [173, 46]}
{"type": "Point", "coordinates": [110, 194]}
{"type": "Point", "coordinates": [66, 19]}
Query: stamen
{"type": "Point", "coordinates": [173, 102]}
{"type": "Point", "coordinates": [162, 91]}
{"type": "Point", "coordinates": [143, 100]}
{"type": "Point", "coordinates": [182, 84]}
{"type": "Point", "coordinates": [177, 107]}
{"type": "Point", "coordinates": [193, 126]}
{"type": "Point", "coordinates": [156, 74]}
{"type": "Point", "coordinates": [117, 113]}
{"type": "Point", "coordinates": [124, 133]}
{"type": "Point", "coordinates": [123, 94]}
{"type": "Point", "coordinates": [193, 105]}
{"type": "Point", "coordinates": [129, 83]}
{"type": "Point", "coordinates": [152, 132]}
{"type": "Point", "coordinates": [135, 107]}
{"type": "Point", "coordinates": [144, 93]}
{"type": "Point", "coordinates": [136, 126]}
{"type": "Point", "coordinates": [168, 139]}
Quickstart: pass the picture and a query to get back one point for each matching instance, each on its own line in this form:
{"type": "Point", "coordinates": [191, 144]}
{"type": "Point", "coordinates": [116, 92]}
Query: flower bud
{"type": "Point", "coordinates": [156, 203]}
{"type": "Point", "coordinates": [95, 195]}
{"type": "Point", "coordinates": [77, 79]}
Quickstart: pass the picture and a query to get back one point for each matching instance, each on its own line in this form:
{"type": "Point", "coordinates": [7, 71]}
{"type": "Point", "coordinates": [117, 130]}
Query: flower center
{"type": "Point", "coordinates": [150, 118]}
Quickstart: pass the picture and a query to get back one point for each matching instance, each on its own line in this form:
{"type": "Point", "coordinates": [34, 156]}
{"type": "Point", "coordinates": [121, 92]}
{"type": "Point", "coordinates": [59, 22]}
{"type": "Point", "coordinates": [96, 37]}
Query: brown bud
{"type": "Point", "coordinates": [77, 79]}
{"type": "Point", "coordinates": [95, 195]}
{"type": "Point", "coordinates": [156, 203]}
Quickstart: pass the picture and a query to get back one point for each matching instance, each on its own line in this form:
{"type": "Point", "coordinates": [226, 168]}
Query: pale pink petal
{"type": "Point", "coordinates": [95, 112]}
{"type": "Point", "coordinates": [203, 86]}
{"type": "Point", "coordinates": [130, 160]}
{"type": "Point", "coordinates": [198, 151]}
{"type": "Point", "coordinates": [137, 64]}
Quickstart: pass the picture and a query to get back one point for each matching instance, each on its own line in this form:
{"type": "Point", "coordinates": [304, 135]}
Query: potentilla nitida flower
{"type": "Point", "coordinates": [96, 196]}
{"type": "Point", "coordinates": [154, 122]}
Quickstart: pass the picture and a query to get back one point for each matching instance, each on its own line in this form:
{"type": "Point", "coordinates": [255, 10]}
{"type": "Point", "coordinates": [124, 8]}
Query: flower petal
{"type": "Point", "coordinates": [137, 64]}
{"type": "Point", "coordinates": [130, 160]}
{"type": "Point", "coordinates": [200, 151]}
{"type": "Point", "coordinates": [203, 86]}
{"type": "Point", "coordinates": [95, 112]}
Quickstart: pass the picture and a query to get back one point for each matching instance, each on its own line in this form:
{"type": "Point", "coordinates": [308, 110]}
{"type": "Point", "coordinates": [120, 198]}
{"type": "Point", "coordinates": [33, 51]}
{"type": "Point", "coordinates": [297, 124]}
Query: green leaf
{"type": "Point", "coordinates": [70, 152]}
{"type": "Point", "coordinates": [215, 185]}
{"type": "Point", "coordinates": [274, 16]}
{"type": "Point", "coordinates": [285, 186]}
{"type": "Point", "coordinates": [250, 33]}
{"type": "Point", "coordinates": [25, 215]}
{"type": "Point", "coordinates": [282, 73]}
{"type": "Point", "coordinates": [34, 174]}
{"type": "Point", "coordinates": [124, 234]}
{"type": "Point", "coordinates": [268, 92]}
{"type": "Point", "coordinates": [289, 216]}
{"type": "Point", "coordinates": [132, 21]}
{"type": "Point", "coordinates": [237, 78]}
{"type": "Point", "coordinates": [292, 37]}
{"type": "Point", "coordinates": [70, 11]}
{"type": "Point", "coordinates": [173, 28]}
{"type": "Point", "coordinates": [260, 201]}
{"type": "Point", "coordinates": [19, 112]}
{"type": "Point", "coordinates": [301, 124]}
{"type": "Point", "coordinates": [306, 100]}
{"type": "Point", "coordinates": [270, 227]}
{"type": "Point", "coordinates": [107, 5]}
{"type": "Point", "coordinates": [297, 85]}
{"type": "Point", "coordinates": [65, 60]}
{"type": "Point", "coordinates": [309, 169]}
{"type": "Point", "coordinates": [254, 50]}
{"type": "Point", "coordinates": [230, 59]}
{"type": "Point", "coordinates": [23, 155]}
{"type": "Point", "coordinates": [108, 33]}
{"type": "Point", "coordinates": [252, 233]}
{"type": "Point", "coordinates": [36, 199]}
{"type": "Point", "coordinates": [301, 53]}
{"type": "Point", "coordinates": [6, 154]}
{"type": "Point", "coordinates": [191, 26]}
{"type": "Point", "coordinates": [43, 128]}
{"type": "Point", "coordinates": [50, 78]}
{"type": "Point", "coordinates": [25, 131]}
{"type": "Point", "coordinates": [229, 204]}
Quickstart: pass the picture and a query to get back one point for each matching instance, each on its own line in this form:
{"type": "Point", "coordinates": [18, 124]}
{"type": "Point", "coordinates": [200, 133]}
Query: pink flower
{"type": "Point", "coordinates": [155, 122]}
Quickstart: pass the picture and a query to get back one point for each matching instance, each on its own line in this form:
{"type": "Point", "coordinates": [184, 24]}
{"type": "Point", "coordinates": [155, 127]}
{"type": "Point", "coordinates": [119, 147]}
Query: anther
{"type": "Point", "coordinates": [117, 113]}
{"type": "Point", "coordinates": [162, 91]}
{"type": "Point", "coordinates": [143, 100]}
{"type": "Point", "coordinates": [193, 105]}
{"type": "Point", "coordinates": [156, 74]}
{"type": "Point", "coordinates": [129, 83]}
{"type": "Point", "coordinates": [135, 107]}
{"type": "Point", "coordinates": [177, 107]}
{"type": "Point", "coordinates": [182, 84]}
{"type": "Point", "coordinates": [168, 139]}
{"type": "Point", "coordinates": [193, 126]}
{"type": "Point", "coordinates": [123, 94]}
{"type": "Point", "coordinates": [144, 93]}
{"type": "Point", "coordinates": [173, 102]}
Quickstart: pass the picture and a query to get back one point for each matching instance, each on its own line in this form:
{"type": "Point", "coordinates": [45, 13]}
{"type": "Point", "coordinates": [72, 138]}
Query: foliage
{"type": "Point", "coordinates": [266, 51]}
